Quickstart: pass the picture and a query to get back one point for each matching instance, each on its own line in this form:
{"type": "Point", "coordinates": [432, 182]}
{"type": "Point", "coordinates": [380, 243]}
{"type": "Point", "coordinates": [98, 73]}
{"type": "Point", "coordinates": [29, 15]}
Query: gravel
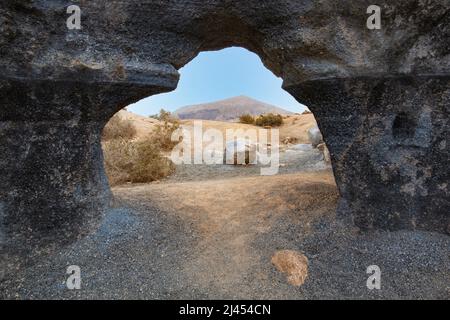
{"type": "Point", "coordinates": [145, 251]}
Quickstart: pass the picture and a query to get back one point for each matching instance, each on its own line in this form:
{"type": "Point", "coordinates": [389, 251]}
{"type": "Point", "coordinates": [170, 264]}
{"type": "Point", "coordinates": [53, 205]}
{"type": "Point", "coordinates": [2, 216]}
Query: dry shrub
{"type": "Point", "coordinates": [119, 156]}
{"type": "Point", "coordinates": [162, 135]}
{"type": "Point", "coordinates": [269, 120]}
{"type": "Point", "coordinates": [247, 119]}
{"type": "Point", "coordinates": [117, 128]}
{"type": "Point", "coordinates": [135, 161]}
{"type": "Point", "coordinates": [164, 115]}
{"type": "Point", "coordinates": [150, 164]}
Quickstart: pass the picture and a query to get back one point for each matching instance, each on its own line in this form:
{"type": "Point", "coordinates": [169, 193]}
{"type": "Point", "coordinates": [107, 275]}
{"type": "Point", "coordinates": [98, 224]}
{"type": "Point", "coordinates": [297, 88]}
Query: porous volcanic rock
{"type": "Point", "coordinates": [380, 97]}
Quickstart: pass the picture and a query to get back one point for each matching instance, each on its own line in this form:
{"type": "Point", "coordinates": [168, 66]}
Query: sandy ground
{"type": "Point", "coordinates": [144, 125]}
{"type": "Point", "coordinates": [200, 235]}
{"type": "Point", "coordinates": [229, 215]}
{"type": "Point", "coordinates": [295, 126]}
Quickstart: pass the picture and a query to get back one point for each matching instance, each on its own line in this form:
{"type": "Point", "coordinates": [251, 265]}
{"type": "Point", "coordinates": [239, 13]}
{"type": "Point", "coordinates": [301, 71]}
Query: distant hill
{"type": "Point", "coordinates": [228, 109]}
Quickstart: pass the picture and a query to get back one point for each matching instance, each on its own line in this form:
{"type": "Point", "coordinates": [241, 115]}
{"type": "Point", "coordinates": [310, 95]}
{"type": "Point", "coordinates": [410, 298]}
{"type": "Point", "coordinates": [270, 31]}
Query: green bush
{"type": "Point", "coordinates": [269, 120]}
{"type": "Point", "coordinates": [247, 119]}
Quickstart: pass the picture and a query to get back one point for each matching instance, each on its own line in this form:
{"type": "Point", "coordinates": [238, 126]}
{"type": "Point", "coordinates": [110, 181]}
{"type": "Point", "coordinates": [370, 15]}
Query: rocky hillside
{"type": "Point", "coordinates": [228, 109]}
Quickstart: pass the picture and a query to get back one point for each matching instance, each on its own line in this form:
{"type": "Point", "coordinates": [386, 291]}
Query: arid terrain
{"type": "Point", "coordinates": [140, 226]}
{"type": "Point", "coordinates": [213, 232]}
{"type": "Point", "coordinates": [295, 126]}
{"type": "Point", "coordinates": [215, 238]}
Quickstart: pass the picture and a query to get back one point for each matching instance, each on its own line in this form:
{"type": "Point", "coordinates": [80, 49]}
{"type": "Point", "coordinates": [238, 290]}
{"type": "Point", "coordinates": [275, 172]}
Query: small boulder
{"type": "Point", "coordinates": [315, 136]}
{"type": "Point", "coordinates": [326, 153]}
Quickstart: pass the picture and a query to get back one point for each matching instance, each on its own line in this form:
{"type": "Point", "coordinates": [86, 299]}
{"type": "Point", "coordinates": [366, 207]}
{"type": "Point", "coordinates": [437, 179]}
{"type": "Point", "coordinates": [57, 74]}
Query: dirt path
{"type": "Point", "coordinates": [230, 214]}
{"type": "Point", "coordinates": [214, 239]}
{"type": "Point", "coordinates": [239, 223]}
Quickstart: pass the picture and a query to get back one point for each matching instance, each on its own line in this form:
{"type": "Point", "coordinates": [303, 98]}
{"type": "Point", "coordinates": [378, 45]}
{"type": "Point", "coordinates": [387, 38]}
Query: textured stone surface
{"type": "Point", "coordinates": [389, 144]}
{"type": "Point", "coordinates": [381, 97]}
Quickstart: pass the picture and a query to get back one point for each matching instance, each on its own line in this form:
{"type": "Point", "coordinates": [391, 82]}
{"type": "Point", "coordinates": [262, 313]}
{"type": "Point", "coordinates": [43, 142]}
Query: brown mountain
{"type": "Point", "coordinates": [228, 109]}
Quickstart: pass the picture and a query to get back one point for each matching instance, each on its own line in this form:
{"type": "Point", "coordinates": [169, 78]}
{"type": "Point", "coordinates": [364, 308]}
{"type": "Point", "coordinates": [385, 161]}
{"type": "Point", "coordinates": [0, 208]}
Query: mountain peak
{"type": "Point", "coordinates": [241, 98]}
{"type": "Point", "coordinates": [228, 109]}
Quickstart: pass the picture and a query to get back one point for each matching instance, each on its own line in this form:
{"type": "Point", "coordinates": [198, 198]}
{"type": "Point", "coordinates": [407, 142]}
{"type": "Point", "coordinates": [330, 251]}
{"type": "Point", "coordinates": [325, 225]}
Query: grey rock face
{"type": "Point", "coordinates": [388, 143]}
{"type": "Point", "coordinates": [381, 97]}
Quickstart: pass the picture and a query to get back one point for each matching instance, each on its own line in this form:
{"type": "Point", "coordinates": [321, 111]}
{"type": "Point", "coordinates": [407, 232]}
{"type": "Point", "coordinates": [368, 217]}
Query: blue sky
{"type": "Point", "coordinates": [218, 75]}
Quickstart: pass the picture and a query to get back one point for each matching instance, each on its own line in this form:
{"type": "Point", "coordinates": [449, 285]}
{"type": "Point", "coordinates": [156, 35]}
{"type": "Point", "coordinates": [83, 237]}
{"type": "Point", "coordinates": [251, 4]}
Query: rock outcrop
{"type": "Point", "coordinates": [380, 97]}
{"type": "Point", "coordinates": [326, 153]}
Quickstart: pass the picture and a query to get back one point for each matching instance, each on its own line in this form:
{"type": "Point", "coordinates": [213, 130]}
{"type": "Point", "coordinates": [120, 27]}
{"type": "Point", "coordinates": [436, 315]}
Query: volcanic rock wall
{"type": "Point", "coordinates": [380, 96]}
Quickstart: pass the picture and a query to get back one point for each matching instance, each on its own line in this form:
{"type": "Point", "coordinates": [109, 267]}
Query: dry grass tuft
{"type": "Point", "coordinates": [247, 119]}
{"type": "Point", "coordinates": [269, 120]}
{"type": "Point", "coordinates": [293, 264]}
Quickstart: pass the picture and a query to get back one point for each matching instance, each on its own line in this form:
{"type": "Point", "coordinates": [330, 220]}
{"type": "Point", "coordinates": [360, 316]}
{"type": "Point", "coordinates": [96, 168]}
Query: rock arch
{"type": "Point", "coordinates": [58, 88]}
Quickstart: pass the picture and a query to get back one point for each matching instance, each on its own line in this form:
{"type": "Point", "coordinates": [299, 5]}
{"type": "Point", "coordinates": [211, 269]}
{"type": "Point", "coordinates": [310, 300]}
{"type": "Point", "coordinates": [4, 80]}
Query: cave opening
{"type": "Point", "coordinates": [226, 101]}
{"type": "Point", "coordinates": [216, 175]}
